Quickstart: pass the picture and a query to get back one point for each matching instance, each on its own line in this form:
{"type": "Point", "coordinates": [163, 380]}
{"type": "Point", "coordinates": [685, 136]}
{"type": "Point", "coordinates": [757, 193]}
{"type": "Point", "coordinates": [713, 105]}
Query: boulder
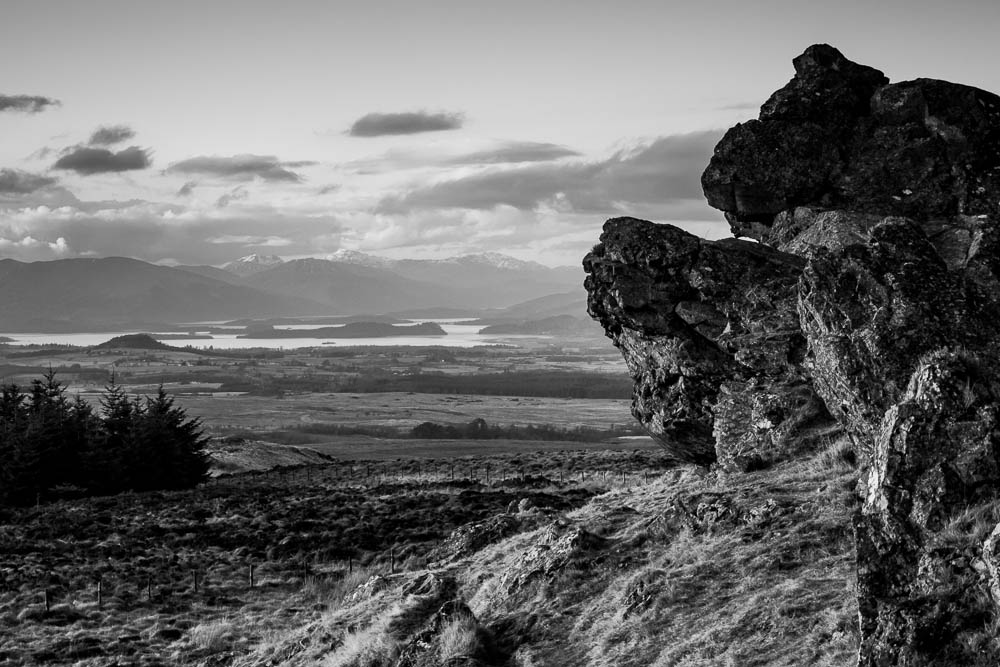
{"type": "Point", "coordinates": [838, 137]}
{"type": "Point", "coordinates": [689, 315]}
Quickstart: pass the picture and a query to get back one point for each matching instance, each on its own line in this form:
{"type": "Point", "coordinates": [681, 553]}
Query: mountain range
{"type": "Point", "coordinates": [115, 293]}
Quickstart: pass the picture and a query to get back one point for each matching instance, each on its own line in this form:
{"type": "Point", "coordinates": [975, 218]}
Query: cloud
{"type": "Point", "coordinates": [662, 175]}
{"type": "Point", "coordinates": [241, 167]}
{"type": "Point", "coordinates": [26, 103]}
{"type": "Point", "coordinates": [187, 189]}
{"type": "Point", "coordinates": [236, 194]}
{"type": "Point", "coordinates": [515, 151]}
{"type": "Point", "coordinates": [412, 122]}
{"type": "Point", "coordinates": [30, 244]}
{"type": "Point", "coordinates": [252, 241]}
{"type": "Point", "coordinates": [17, 182]}
{"type": "Point", "coordinates": [108, 135]}
{"type": "Point", "coordinates": [153, 231]}
{"type": "Point", "coordinates": [86, 161]}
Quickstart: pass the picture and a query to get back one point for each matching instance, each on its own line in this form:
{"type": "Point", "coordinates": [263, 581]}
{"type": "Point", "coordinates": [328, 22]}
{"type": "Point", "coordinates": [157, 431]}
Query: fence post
{"type": "Point", "coordinates": [487, 473]}
{"type": "Point", "coordinates": [100, 592]}
{"type": "Point", "coordinates": [392, 560]}
{"type": "Point", "coordinates": [350, 564]}
{"type": "Point", "coordinates": [149, 588]}
{"type": "Point", "coordinates": [251, 575]}
{"type": "Point", "coordinates": [623, 478]}
{"type": "Point", "coordinates": [48, 601]}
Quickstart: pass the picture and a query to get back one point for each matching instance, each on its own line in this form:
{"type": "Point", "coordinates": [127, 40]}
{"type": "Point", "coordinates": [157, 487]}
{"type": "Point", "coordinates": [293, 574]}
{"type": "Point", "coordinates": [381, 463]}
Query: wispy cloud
{"type": "Point", "coordinates": [664, 171]}
{"type": "Point", "coordinates": [86, 160]}
{"type": "Point", "coordinates": [241, 167]}
{"type": "Point", "coordinates": [515, 151]}
{"type": "Point", "coordinates": [410, 122]}
{"type": "Point", "coordinates": [109, 135]}
{"type": "Point", "coordinates": [26, 103]}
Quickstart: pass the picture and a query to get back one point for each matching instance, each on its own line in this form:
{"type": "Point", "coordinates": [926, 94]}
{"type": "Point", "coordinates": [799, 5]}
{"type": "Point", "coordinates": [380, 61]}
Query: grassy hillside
{"type": "Point", "coordinates": [396, 563]}
{"type": "Point", "coordinates": [692, 569]}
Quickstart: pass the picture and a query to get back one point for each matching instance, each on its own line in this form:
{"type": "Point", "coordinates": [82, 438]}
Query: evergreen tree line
{"type": "Point", "coordinates": [51, 444]}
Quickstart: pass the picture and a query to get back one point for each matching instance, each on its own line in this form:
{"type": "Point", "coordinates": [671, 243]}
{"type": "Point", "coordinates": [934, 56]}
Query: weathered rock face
{"type": "Point", "coordinates": [921, 585]}
{"type": "Point", "coordinates": [689, 315]}
{"type": "Point", "coordinates": [871, 311]}
{"type": "Point", "coordinates": [872, 299]}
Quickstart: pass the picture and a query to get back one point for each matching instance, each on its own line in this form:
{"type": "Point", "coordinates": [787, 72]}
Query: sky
{"type": "Point", "coordinates": [197, 132]}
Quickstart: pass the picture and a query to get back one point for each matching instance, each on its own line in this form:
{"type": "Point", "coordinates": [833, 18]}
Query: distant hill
{"type": "Point", "coordinates": [116, 293]}
{"type": "Point", "coordinates": [139, 341]}
{"type": "Point", "coordinates": [549, 326]}
{"type": "Point", "coordinates": [345, 289]}
{"type": "Point", "coordinates": [212, 272]}
{"type": "Point", "coordinates": [551, 305]}
{"type": "Point", "coordinates": [353, 282]}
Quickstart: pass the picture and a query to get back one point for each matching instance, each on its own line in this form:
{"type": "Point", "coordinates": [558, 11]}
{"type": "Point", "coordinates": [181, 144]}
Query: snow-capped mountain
{"type": "Point", "coordinates": [245, 266]}
{"type": "Point", "coordinates": [499, 261]}
{"type": "Point", "coordinates": [359, 258]}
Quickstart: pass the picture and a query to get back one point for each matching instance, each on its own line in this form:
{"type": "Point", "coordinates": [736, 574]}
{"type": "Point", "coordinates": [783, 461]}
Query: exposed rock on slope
{"type": "Point", "coordinates": [876, 207]}
{"type": "Point", "coordinates": [922, 586]}
{"type": "Point", "coordinates": [681, 312]}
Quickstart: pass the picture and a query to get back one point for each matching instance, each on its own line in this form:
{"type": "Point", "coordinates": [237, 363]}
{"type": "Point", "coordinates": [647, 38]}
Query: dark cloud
{"type": "Point", "coordinates": [236, 194]}
{"type": "Point", "coordinates": [26, 103]}
{"type": "Point", "coordinates": [240, 167]}
{"type": "Point", "coordinates": [516, 151]}
{"type": "Point", "coordinates": [109, 135]}
{"type": "Point", "coordinates": [187, 189]}
{"type": "Point", "coordinates": [412, 122]}
{"type": "Point", "coordinates": [17, 182]}
{"type": "Point", "coordinates": [666, 171]}
{"type": "Point", "coordinates": [86, 160]}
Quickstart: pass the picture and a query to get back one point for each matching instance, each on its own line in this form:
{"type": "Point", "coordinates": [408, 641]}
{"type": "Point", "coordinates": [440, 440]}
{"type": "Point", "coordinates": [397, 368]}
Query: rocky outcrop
{"type": "Point", "coordinates": [690, 315]}
{"type": "Point", "coordinates": [871, 299]}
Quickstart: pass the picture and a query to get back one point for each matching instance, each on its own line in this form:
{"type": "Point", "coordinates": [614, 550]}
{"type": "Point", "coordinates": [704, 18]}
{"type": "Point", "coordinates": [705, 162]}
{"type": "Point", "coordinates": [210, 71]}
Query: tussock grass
{"type": "Point", "coordinates": [459, 638]}
{"type": "Point", "coordinates": [770, 585]}
{"type": "Point", "coordinates": [214, 636]}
